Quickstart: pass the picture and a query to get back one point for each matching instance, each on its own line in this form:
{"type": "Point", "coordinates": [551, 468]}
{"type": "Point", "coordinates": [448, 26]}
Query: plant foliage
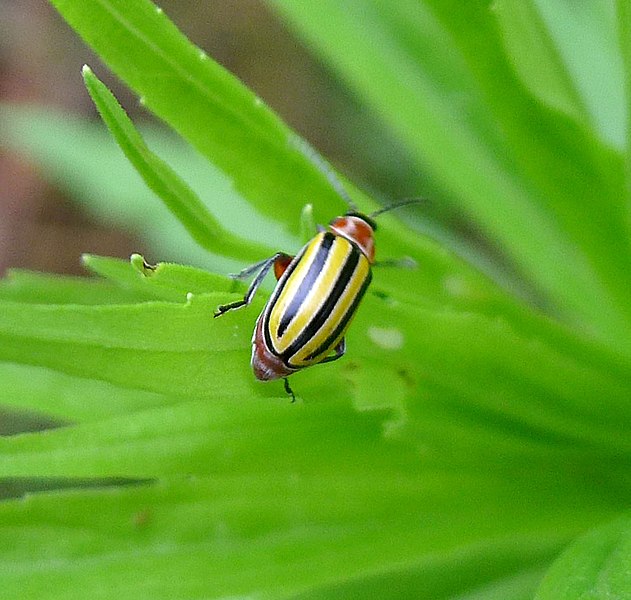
{"type": "Point", "coordinates": [475, 441]}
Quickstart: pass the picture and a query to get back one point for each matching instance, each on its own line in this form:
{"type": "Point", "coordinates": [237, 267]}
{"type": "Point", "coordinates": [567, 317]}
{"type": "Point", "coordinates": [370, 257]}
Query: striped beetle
{"type": "Point", "coordinates": [316, 295]}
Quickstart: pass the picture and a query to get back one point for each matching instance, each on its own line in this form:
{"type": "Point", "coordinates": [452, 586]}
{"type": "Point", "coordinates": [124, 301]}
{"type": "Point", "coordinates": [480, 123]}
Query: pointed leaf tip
{"type": "Point", "coordinates": [139, 263]}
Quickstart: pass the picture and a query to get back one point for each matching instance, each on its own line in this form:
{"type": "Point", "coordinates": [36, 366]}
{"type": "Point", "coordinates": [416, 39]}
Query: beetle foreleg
{"type": "Point", "coordinates": [340, 350]}
{"type": "Point", "coordinates": [262, 267]}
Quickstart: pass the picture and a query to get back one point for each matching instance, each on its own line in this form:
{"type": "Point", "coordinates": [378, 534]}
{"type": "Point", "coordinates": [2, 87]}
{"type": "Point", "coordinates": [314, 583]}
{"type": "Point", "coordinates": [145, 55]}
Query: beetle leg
{"type": "Point", "coordinates": [262, 267]}
{"type": "Point", "coordinates": [288, 389]}
{"type": "Point", "coordinates": [340, 350]}
{"type": "Point", "coordinates": [245, 273]}
{"type": "Point", "coordinates": [401, 263]}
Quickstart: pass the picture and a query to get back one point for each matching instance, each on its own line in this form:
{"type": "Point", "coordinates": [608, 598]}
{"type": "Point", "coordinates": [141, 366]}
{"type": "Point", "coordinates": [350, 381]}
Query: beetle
{"type": "Point", "coordinates": [317, 293]}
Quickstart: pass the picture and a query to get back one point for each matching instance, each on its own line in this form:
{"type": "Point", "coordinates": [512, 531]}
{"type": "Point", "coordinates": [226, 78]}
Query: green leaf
{"type": "Point", "coordinates": [534, 396]}
{"type": "Point", "coordinates": [173, 191]}
{"type": "Point", "coordinates": [536, 58]}
{"type": "Point", "coordinates": [164, 281]}
{"type": "Point", "coordinates": [566, 57]}
{"type": "Point", "coordinates": [462, 433]}
{"type": "Point", "coordinates": [242, 535]}
{"type": "Point", "coordinates": [158, 346]}
{"type": "Point", "coordinates": [177, 347]}
{"type": "Point", "coordinates": [38, 288]}
{"type": "Point", "coordinates": [200, 100]}
{"type": "Point", "coordinates": [597, 565]}
{"type": "Point", "coordinates": [438, 101]}
{"type": "Point", "coordinates": [68, 399]}
{"type": "Point", "coordinates": [172, 345]}
{"type": "Point", "coordinates": [204, 437]}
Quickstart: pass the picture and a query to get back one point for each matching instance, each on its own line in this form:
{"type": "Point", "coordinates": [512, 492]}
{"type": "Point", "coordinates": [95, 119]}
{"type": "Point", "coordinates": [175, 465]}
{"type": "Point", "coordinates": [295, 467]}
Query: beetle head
{"type": "Point", "coordinates": [357, 228]}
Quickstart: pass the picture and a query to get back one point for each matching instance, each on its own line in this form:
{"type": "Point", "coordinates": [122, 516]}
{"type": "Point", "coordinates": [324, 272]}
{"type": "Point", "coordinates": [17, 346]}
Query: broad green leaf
{"type": "Point", "coordinates": [228, 536]}
{"type": "Point", "coordinates": [173, 191]}
{"type": "Point", "coordinates": [158, 346]}
{"type": "Point", "coordinates": [201, 373]}
{"type": "Point", "coordinates": [174, 348]}
{"type": "Point", "coordinates": [164, 281]}
{"type": "Point", "coordinates": [547, 387]}
{"type": "Point", "coordinates": [43, 392]}
{"type": "Point", "coordinates": [206, 437]}
{"type": "Point", "coordinates": [469, 378]}
{"type": "Point", "coordinates": [597, 565]}
{"type": "Point", "coordinates": [146, 326]}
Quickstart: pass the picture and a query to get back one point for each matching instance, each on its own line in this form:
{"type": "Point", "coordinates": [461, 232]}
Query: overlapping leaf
{"type": "Point", "coordinates": [595, 566]}
{"type": "Point", "coordinates": [500, 166]}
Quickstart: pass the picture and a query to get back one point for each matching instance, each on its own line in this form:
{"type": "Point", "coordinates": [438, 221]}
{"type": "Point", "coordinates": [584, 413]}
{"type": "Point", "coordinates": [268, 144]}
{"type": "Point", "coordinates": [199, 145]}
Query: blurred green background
{"type": "Point", "coordinates": [42, 227]}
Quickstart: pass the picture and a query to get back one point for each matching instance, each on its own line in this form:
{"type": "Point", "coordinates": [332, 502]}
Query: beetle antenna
{"type": "Point", "coordinates": [395, 205]}
{"type": "Point", "coordinates": [325, 168]}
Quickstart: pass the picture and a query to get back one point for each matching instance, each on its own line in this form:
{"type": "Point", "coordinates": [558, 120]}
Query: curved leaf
{"type": "Point", "coordinates": [173, 191]}
{"type": "Point", "coordinates": [536, 58]}
{"type": "Point", "coordinates": [208, 106]}
{"type": "Point", "coordinates": [597, 565]}
{"type": "Point", "coordinates": [438, 102]}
